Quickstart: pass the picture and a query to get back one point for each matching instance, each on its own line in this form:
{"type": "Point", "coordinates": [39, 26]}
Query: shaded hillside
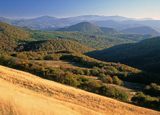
{"type": "Point", "coordinates": [143, 30]}
{"type": "Point", "coordinates": [10, 36]}
{"type": "Point", "coordinates": [21, 90]}
{"type": "Point", "coordinates": [55, 45]}
{"type": "Point", "coordinates": [85, 27]}
{"type": "Point", "coordinates": [144, 55]}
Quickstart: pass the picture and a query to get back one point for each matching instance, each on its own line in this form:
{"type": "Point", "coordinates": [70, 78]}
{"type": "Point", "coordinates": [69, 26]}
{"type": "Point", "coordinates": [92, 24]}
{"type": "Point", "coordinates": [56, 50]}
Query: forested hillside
{"type": "Point", "coordinates": [10, 36]}
{"type": "Point", "coordinates": [55, 45]}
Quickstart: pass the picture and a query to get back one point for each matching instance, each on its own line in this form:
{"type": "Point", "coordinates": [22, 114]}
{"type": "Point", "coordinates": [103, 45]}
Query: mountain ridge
{"type": "Point", "coordinates": [143, 30]}
{"type": "Point", "coordinates": [119, 22]}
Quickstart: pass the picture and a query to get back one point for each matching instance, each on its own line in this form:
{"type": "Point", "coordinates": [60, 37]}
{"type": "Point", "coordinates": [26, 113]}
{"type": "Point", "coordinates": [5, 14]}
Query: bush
{"type": "Point", "coordinates": [94, 72]}
{"type": "Point", "coordinates": [71, 79]}
{"type": "Point", "coordinates": [86, 72]}
{"type": "Point", "coordinates": [102, 75]}
{"type": "Point", "coordinates": [146, 101]}
{"type": "Point", "coordinates": [153, 89]}
{"type": "Point", "coordinates": [79, 71]}
{"type": "Point", "coordinates": [22, 56]}
{"type": "Point", "coordinates": [117, 81]}
{"type": "Point", "coordinates": [48, 57]}
{"type": "Point", "coordinates": [113, 92]}
{"type": "Point", "coordinates": [106, 78]}
{"type": "Point", "coordinates": [90, 85]}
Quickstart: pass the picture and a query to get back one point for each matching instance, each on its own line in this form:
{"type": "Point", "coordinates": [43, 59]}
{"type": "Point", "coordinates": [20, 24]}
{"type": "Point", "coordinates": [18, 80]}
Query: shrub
{"type": "Point", "coordinates": [146, 101]}
{"type": "Point", "coordinates": [79, 71]}
{"type": "Point", "coordinates": [22, 56]}
{"type": "Point", "coordinates": [94, 72]}
{"type": "Point", "coordinates": [70, 79]}
{"type": "Point", "coordinates": [110, 70]}
{"type": "Point", "coordinates": [86, 72]}
{"type": "Point", "coordinates": [48, 57]}
{"type": "Point", "coordinates": [117, 81]}
{"type": "Point", "coordinates": [106, 79]}
{"type": "Point", "coordinates": [153, 89]}
{"type": "Point", "coordinates": [90, 85]}
{"type": "Point", "coordinates": [113, 92]}
{"type": "Point", "coordinates": [102, 75]}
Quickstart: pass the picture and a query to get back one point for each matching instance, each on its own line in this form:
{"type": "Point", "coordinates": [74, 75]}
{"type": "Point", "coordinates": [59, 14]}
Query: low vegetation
{"type": "Point", "coordinates": [105, 73]}
{"type": "Point", "coordinates": [146, 101]}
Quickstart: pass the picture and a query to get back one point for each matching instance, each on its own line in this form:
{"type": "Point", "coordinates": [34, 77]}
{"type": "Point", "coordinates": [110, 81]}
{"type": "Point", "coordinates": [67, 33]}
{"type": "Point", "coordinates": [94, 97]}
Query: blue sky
{"type": "Point", "coordinates": [66, 8]}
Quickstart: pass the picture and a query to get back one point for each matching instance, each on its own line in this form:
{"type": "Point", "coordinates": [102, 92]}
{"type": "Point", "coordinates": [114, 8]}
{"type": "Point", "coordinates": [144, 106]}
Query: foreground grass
{"type": "Point", "coordinates": [32, 95]}
{"type": "Point", "coordinates": [8, 108]}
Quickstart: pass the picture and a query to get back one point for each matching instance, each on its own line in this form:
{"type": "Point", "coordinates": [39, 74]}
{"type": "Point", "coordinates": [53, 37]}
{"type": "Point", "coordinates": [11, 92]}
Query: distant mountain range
{"type": "Point", "coordinates": [142, 30]}
{"type": "Point", "coordinates": [116, 22]}
{"type": "Point", "coordinates": [48, 22]}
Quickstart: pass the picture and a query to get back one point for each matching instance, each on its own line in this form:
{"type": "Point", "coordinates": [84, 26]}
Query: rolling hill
{"type": "Point", "coordinates": [24, 93]}
{"type": "Point", "coordinates": [144, 55]}
{"type": "Point", "coordinates": [10, 36]}
{"type": "Point", "coordinates": [84, 27]}
{"type": "Point", "coordinates": [55, 45]}
{"type": "Point", "coordinates": [142, 30]}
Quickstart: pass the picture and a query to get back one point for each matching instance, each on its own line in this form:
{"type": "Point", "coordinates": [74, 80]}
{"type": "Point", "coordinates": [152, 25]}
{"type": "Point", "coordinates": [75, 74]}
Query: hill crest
{"type": "Point", "coordinates": [85, 27]}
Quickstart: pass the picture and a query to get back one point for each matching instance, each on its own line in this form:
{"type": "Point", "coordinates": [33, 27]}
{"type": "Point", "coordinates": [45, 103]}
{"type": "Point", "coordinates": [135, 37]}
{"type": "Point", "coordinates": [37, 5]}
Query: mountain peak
{"type": "Point", "coordinates": [85, 27]}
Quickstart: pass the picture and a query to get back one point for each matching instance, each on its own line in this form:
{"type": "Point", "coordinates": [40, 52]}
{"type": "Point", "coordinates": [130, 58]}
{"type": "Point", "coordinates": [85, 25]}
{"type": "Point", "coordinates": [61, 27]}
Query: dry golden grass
{"type": "Point", "coordinates": [24, 93]}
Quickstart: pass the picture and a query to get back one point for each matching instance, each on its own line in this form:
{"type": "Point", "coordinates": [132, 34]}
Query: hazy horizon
{"type": "Point", "coordinates": [139, 9]}
{"type": "Point", "coordinates": [18, 18]}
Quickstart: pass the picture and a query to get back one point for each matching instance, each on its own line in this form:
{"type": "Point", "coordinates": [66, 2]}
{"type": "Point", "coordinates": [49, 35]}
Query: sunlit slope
{"type": "Point", "coordinates": [24, 93]}
{"type": "Point", "coordinates": [10, 36]}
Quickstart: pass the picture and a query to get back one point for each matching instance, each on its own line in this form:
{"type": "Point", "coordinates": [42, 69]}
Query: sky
{"type": "Point", "coordinates": [68, 8]}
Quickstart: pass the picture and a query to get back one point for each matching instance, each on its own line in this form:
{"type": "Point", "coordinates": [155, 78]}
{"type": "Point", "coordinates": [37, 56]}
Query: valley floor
{"type": "Point", "coordinates": [27, 94]}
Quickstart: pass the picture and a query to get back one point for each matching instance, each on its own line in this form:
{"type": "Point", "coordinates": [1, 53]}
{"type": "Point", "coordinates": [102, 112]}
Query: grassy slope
{"type": "Point", "coordinates": [23, 93]}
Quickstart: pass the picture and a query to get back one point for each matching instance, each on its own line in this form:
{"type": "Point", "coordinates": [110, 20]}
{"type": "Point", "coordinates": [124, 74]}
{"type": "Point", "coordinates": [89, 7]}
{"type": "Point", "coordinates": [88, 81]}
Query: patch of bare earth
{"type": "Point", "coordinates": [28, 94]}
